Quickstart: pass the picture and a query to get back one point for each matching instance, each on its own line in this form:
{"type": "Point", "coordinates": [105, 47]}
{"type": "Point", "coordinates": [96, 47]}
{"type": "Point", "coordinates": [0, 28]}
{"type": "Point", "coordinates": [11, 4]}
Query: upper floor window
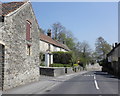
{"type": "Point", "coordinates": [28, 30]}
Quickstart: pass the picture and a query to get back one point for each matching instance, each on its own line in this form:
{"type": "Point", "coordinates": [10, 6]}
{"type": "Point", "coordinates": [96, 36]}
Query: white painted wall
{"type": "Point", "coordinates": [52, 48]}
{"type": "Point", "coordinates": [47, 59]}
{"type": "Point", "coordinates": [44, 47]}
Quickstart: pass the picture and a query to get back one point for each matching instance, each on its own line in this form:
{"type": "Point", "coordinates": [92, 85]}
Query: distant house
{"type": "Point", "coordinates": [19, 45]}
{"type": "Point", "coordinates": [114, 58]}
{"type": "Point", "coordinates": [48, 45]}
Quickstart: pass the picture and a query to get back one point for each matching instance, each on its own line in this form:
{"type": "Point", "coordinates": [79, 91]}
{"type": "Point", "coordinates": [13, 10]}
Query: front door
{"type": "Point", "coordinates": [1, 66]}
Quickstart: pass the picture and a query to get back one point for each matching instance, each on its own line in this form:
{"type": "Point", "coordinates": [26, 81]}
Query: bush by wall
{"type": "Point", "coordinates": [62, 57]}
{"type": "Point", "coordinates": [60, 65]}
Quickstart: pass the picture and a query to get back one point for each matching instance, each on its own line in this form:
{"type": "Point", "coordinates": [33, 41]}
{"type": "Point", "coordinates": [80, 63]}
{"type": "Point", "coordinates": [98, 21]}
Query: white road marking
{"type": "Point", "coordinates": [96, 84]}
{"type": "Point", "coordinates": [94, 77]}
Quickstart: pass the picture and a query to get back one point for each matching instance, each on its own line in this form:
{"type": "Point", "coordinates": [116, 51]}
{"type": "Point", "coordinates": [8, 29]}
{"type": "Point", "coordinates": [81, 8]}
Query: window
{"type": "Point", "coordinates": [1, 18]}
{"type": "Point", "coordinates": [28, 49]}
{"type": "Point", "coordinates": [43, 58]}
{"type": "Point", "coordinates": [28, 29]}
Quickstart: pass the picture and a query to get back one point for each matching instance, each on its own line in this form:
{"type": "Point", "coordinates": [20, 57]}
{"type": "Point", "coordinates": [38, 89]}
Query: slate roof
{"type": "Point", "coordinates": [113, 49]}
{"type": "Point", "coordinates": [10, 7]}
{"type": "Point", "coordinates": [48, 39]}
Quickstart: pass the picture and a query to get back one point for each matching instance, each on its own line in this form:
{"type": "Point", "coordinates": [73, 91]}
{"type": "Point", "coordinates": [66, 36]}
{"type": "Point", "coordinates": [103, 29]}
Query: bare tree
{"type": "Point", "coordinates": [57, 29]}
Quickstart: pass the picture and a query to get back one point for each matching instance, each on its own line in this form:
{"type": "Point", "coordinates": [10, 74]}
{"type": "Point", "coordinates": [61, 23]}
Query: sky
{"type": "Point", "coordinates": [62, 0]}
{"type": "Point", "coordinates": [86, 20]}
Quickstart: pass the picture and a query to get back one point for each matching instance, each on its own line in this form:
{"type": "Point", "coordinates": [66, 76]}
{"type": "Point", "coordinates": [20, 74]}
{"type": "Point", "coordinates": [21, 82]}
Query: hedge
{"type": "Point", "coordinates": [60, 65]}
{"type": "Point", "coordinates": [62, 57]}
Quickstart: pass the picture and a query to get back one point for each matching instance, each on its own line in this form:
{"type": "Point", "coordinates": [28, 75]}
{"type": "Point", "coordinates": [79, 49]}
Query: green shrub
{"type": "Point", "coordinates": [75, 65]}
{"type": "Point", "coordinates": [42, 64]}
{"type": "Point", "coordinates": [60, 65]}
{"type": "Point", "coordinates": [42, 56]}
{"type": "Point", "coordinates": [62, 57]}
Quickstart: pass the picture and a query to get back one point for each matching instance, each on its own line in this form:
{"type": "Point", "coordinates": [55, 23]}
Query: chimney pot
{"type": "Point", "coordinates": [49, 33]}
{"type": "Point", "coordinates": [115, 44]}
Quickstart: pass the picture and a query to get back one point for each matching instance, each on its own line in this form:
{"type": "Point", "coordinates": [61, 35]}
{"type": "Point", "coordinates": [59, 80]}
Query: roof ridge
{"type": "Point", "coordinates": [12, 2]}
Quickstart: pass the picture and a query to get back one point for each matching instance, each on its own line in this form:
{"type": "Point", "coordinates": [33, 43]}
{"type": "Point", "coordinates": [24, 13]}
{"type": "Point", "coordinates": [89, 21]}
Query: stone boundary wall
{"type": "Point", "coordinates": [58, 71]}
{"type": "Point", "coordinates": [55, 71]}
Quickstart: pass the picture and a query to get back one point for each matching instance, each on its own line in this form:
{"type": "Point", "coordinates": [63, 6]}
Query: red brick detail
{"type": "Point", "coordinates": [28, 27]}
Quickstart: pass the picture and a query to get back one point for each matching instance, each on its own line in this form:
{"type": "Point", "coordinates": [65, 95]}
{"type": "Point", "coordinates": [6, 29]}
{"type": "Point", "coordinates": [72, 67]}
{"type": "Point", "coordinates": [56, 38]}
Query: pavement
{"type": "Point", "coordinates": [43, 84]}
{"type": "Point", "coordinates": [0, 92]}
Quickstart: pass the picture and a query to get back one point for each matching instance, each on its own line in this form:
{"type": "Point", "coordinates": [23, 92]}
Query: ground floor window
{"type": "Point", "coordinates": [42, 58]}
{"type": "Point", "coordinates": [28, 49]}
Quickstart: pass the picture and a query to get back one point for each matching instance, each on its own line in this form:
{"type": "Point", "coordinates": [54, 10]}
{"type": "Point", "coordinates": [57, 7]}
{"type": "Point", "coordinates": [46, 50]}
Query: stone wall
{"type": "Point", "coordinates": [56, 71]}
{"type": "Point", "coordinates": [59, 71]}
{"type": "Point", "coordinates": [46, 71]}
{"type": "Point", "coordinates": [19, 67]}
{"type": "Point", "coordinates": [1, 65]}
{"type": "Point", "coordinates": [113, 60]}
{"type": "Point", "coordinates": [1, 62]}
{"type": "Point", "coordinates": [69, 70]}
{"type": "Point", "coordinates": [119, 67]}
{"type": "Point", "coordinates": [51, 71]}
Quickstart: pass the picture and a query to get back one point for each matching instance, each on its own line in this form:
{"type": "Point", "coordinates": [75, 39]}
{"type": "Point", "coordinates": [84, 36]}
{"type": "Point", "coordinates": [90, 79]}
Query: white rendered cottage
{"type": "Point", "coordinates": [48, 45]}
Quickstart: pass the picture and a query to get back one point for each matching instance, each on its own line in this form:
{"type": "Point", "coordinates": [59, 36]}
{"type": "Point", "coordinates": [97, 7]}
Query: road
{"type": "Point", "coordinates": [94, 82]}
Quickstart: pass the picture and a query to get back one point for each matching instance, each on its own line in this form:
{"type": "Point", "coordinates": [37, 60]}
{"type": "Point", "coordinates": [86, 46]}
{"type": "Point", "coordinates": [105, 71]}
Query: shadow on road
{"type": "Point", "coordinates": [105, 74]}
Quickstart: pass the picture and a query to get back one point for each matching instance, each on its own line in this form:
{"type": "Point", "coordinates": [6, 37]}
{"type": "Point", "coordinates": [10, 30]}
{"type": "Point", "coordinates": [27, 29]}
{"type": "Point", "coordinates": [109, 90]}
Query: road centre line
{"type": "Point", "coordinates": [96, 84]}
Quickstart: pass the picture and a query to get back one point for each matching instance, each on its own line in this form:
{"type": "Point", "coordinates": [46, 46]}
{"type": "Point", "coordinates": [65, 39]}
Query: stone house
{"type": "Point", "coordinates": [19, 45]}
{"type": "Point", "coordinates": [113, 58]}
{"type": "Point", "coordinates": [48, 45]}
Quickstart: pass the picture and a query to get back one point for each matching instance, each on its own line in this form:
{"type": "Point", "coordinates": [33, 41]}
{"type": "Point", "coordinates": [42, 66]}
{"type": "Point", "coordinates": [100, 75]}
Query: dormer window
{"type": "Point", "coordinates": [28, 30]}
